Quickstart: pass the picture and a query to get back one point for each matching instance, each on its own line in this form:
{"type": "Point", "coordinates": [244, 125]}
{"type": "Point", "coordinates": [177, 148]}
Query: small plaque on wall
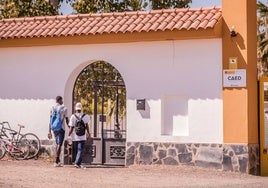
{"type": "Point", "coordinates": [234, 78]}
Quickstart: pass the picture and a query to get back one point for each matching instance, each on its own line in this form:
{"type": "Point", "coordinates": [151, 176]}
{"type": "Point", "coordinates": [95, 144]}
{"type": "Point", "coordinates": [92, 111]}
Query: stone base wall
{"type": "Point", "coordinates": [48, 150]}
{"type": "Point", "coordinates": [228, 157]}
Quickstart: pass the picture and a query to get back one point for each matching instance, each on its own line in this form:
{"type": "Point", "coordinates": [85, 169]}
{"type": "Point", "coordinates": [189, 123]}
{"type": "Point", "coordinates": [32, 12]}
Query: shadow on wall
{"type": "Point", "coordinates": [233, 45]}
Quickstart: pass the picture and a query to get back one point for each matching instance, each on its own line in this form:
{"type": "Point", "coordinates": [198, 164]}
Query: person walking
{"type": "Point", "coordinates": [79, 131]}
{"type": "Point", "coordinates": [58, 114]}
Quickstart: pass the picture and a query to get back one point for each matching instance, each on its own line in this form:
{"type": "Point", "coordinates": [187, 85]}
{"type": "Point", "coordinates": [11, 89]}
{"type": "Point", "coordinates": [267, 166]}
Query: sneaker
{"type": "Point", "coordinates": [79, 166]}
{"type": "Point", "coordinates": [57, 165]}
{"type": "Point", "coordinates": [83, 167]}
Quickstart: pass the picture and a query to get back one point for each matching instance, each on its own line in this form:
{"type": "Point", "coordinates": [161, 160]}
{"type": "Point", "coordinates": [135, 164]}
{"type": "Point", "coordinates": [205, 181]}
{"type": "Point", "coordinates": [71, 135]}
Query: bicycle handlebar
{"type": "Point", "coordinates": [5, 122]}
{"type": "Point", "coordinates": [7, 128]}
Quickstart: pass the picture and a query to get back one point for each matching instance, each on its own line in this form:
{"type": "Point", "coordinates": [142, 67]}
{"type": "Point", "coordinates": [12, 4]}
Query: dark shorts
{"type": "Point", "coordinates": [59, 136]}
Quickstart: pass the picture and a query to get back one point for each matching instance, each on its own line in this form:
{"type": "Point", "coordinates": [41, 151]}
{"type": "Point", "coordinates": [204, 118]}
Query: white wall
{"type": "Point", "coordinates": [32, 77]}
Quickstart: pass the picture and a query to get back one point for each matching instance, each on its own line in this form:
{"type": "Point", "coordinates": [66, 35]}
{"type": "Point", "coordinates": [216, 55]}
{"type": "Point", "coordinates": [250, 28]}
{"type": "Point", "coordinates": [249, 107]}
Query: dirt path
{"type": "Point", "coordinates": [42, 174]}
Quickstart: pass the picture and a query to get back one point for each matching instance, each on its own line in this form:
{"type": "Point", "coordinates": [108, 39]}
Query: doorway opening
{"type": "Point", "coordinates": [101, 90]}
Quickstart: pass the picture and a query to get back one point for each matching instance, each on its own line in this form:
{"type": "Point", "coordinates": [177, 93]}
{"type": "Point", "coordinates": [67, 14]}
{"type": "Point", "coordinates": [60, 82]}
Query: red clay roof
{"type": "Point", "coordinates": [91, 24]}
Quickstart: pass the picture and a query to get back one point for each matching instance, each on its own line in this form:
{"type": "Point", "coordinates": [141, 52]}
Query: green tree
{"type": "Point", "coordinates": [28, 8]}
{"type": "Point", "coordinates": [102, 79]}
{"type": "Point", "coordinates": [262, 39]}
{"type": "Point", "coordinates": [99, 6]}
{"type": "Point", "coordinates": [166, 4]}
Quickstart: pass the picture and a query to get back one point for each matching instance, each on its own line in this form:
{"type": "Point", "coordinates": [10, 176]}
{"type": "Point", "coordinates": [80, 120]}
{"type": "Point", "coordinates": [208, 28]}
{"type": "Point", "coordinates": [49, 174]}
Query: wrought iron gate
{"type": "Point", "coordinates": [263, 113]}
{"type": "Point", "coordinates": [108, 127]}
{"type": "Point", "coordinates": [108, 147]}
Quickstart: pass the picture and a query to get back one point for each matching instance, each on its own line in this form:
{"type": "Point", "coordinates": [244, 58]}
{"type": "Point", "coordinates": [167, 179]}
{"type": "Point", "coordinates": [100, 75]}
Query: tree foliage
{"type": "Point", "coordinates": [167, 4]}
{"type": "Point", "coordinates": [30, 8]}
{"type": "Point", "coordinates": [100, 81]}
{"type": "Point", "coordinates": [262, 39]}
{"type": "Point", "coordinates": [27, 8]}
{"type": "Point", "coordinates": [99, 6]}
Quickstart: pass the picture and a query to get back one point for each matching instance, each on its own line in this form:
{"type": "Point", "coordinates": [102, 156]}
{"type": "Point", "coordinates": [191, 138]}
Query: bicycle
{"type": "Point", "coordinates": [20, 141]}
{"type": "Point", "coordinates": [16, 149]}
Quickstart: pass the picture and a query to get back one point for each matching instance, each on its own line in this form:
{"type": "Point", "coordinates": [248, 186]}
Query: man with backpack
{"type": "Point", "coordinates": [58, 114]}
{"type": "Point", "coordinates": [80, 132]}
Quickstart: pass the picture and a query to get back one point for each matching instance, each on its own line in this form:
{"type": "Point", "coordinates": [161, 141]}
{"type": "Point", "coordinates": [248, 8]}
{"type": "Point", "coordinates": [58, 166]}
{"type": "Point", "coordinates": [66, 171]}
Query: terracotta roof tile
{"type": "Point", "coordinates": [115, 29]}
{"type": "Point", "coordinates": [65, 32]}
{"type": "Point", "coordinates": [211, 24]}
{"type": "Point", "coordinates": [7, 34]}
{"type": "Point", "coordinates": [203, 24]}
{"type": "Point", "coordinates": [79, 31]}
{"type": "Point", "coordinates": [178, 25]}
{"type": "Point", "coordinates": [93, 30]}
{"type": "Point", "coordinates": [186, 25]}
{"type": "Point", "coordinates": [154, 26]}
{"type": "Point", "coordinates": [37, 33]}
{"type": "Point", "coordinates": [169, 18]}
{"type": "Point", "coordinates": [139, 27]}
{"type": "Point", "coordinates": [90, 24]}
{"type": "Point", "coordinates": [170, 25]}
{"type": "Point", "coordinates": [123, 28]}
{"type": "Point", "coordinates": [195, 24]}
{"type": "Point", "coordinates": [101, 29]}
{"type": "Point", "coordinates": [58, 32]}
{"type": "Point", "coordinates": [73, 23]}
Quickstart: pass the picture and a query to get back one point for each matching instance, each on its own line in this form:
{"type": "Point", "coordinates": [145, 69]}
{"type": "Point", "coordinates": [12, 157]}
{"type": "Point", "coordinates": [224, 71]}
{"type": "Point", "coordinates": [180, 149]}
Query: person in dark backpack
{"type": "Point", "coordinates": [58, 114]}
{"type": "Point", "coordinates": [79, 131]}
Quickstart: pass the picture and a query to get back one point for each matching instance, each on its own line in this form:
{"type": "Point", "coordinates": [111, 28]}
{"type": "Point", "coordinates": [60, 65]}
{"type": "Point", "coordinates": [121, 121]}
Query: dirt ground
{"type": "Point", "coordinates": [42, 174]}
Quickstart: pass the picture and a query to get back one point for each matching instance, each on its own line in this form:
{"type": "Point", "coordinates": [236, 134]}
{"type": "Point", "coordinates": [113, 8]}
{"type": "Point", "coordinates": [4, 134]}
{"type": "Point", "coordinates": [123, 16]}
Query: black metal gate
{"type": "Point", "coordinates": [107, 93]}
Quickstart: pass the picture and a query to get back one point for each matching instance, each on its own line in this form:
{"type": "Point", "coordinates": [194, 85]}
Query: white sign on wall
{"type": "Point", "coordinates": [234, 78]}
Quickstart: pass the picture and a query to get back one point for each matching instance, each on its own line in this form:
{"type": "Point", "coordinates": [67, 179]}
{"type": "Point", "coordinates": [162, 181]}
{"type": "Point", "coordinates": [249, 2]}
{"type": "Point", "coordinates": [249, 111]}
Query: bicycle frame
{"type": "Point", "coordinates": [14, 148]}
{"type": "Point", "coordinates": [10, 147]}
{"type": "Point", "coordinates": [20, 140]}
{"type": "Point", "coordinates": [11, 131]}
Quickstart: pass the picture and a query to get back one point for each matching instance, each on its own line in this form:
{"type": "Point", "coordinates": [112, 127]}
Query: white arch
{"type": "Point", "coordinates": [68, 89]}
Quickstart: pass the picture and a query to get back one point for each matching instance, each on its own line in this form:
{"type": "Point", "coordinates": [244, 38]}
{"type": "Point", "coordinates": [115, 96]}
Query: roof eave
{"type": "Point", "coordinates": [215, 32]}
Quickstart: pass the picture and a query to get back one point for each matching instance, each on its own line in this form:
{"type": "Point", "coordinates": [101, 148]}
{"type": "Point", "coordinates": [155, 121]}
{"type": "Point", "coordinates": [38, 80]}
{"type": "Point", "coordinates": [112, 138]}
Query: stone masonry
{"type": "Point", "coordinates": [238, 158]}
{"type": "Point", "coordinates": [48, 149]}
{"type": "Point", "coordinates": [227, 157]}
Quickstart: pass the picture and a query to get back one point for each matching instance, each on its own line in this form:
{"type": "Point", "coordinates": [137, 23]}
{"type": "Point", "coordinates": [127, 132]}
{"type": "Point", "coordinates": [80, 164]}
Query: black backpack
{"type": "Point", "coordinates": [80, 127]}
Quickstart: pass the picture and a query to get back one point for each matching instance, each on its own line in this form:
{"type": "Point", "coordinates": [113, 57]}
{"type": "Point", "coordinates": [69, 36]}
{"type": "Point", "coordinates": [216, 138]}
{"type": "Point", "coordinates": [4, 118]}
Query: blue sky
{"type": "Point", "coordinates": [205, 3]}
{"type": "Point", "coordinates": [195, 3]}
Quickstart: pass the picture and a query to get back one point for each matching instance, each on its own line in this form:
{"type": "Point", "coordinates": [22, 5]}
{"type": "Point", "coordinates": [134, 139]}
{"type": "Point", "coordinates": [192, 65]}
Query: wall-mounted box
{"type": "Point", "coordinates": [140, 104]}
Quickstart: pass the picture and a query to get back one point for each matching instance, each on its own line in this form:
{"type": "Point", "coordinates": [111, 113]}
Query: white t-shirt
{"type": "Point", "coordinates": [63, 113]}
{"type": "Point", "coordinates": [72, 122]}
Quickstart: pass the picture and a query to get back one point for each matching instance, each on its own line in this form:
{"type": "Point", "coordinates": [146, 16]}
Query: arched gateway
{"type": "Point", "coordinates": [101, 90]}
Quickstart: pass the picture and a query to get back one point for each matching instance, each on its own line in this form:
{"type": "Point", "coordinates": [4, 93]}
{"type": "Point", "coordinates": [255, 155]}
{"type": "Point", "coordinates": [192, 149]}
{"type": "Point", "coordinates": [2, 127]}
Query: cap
{"type": "Point", "coordinates": [78, 106]}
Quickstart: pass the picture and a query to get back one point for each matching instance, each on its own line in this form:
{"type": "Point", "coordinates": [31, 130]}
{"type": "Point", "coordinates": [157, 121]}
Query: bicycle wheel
{"type": "Point", "coordinates": [2, 149]}
{"type": "Point", "coordinates": [21, 150]}
{"type": "Point", "coordinates": [34, 144]}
